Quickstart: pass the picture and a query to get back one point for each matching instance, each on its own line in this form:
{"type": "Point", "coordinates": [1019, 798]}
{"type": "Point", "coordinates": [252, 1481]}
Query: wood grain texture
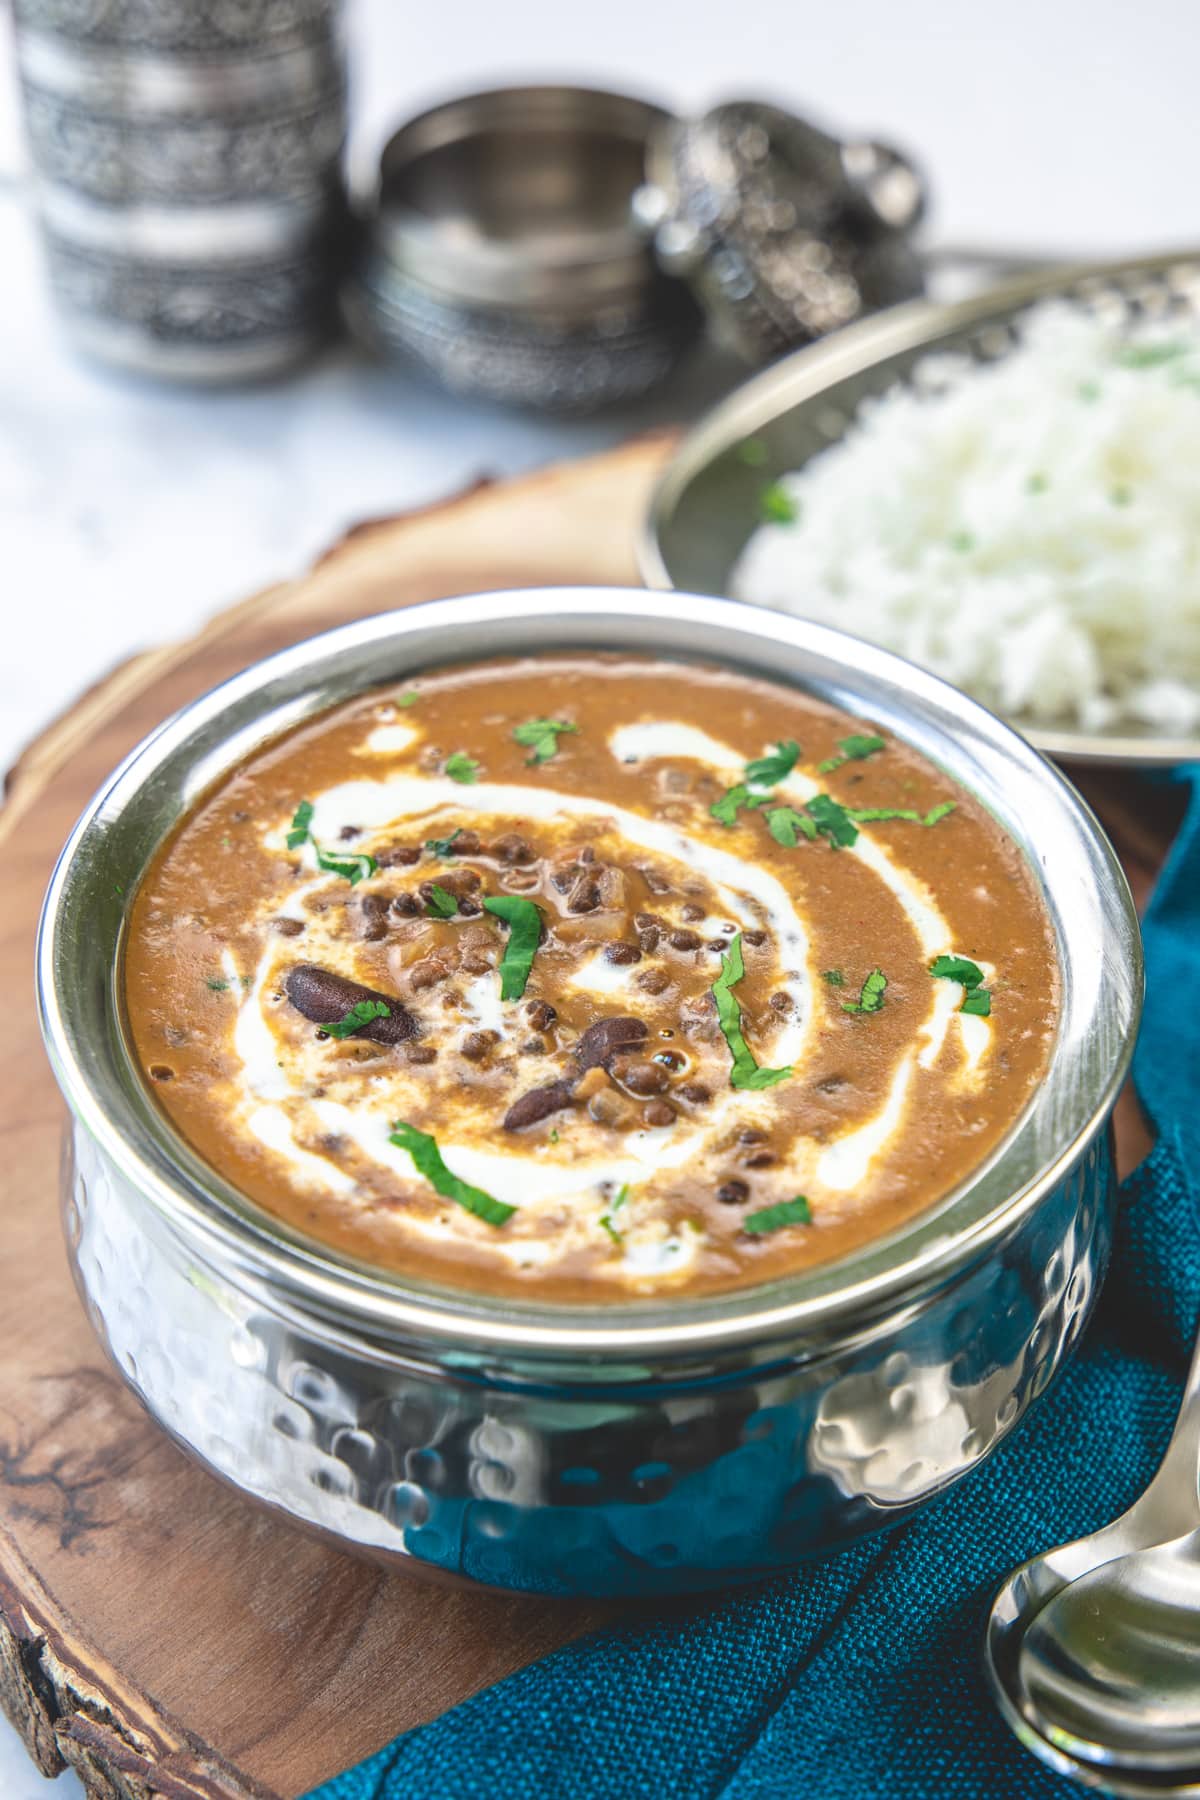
{"type": "Point", "coordinates": [156, 1632]}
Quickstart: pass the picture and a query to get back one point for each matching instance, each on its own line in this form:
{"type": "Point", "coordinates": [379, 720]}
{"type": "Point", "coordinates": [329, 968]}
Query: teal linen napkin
{"type": "Point", "coordinates": [860, 1677]}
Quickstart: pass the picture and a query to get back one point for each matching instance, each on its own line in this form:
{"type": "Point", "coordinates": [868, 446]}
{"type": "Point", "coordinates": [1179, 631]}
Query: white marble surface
{"type": "Point", "coordinates": [128, 512]}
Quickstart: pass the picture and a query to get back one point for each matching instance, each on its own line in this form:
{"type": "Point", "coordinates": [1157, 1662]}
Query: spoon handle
{"type": "Point", "coordinates": [1168, 1505]}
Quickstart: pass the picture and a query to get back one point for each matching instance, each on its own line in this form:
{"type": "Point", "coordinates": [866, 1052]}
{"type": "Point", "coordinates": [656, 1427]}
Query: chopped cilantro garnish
{"type": "Point", "coordinates": [441, 903]}
{"type": "Point", "coordinates": [352, 867]}
{"type": "Point", "coordinates": [541, 736]}
{"type": "Point", "coordinates": [443, 846]}
{"type": "Point", "coordinates": [834, 977]}
{"type": "Point", "coordinates": [217, 986]}
{"type": "Point", "coordinates": [871, 997]}
{"type": "Point", "coordinates": [833, 820]}
{"type": "Point", "coordinates": [554, 1134]}
{"type": "Point", "coordinates": [524, 934]}
{"type": "Point", "coordinates": [776, 506]}
{"type": "Point", "coordinates": [620, 1202]}
{"type": "Point", "coordinates": [772, 1218]}
{"type": "Point", "coordinates": [428, 1161]}
{"type": "Point", "coordinates": [977, 1000]}
{"type": "Point", "coordinates": [725, 810]}
{"type": "Point", "coordinates": [872, 814]}
{"type": "Point", "coordinates": [408, 698]}
{"type": "Point", "coordinates": [776, 766]}
{"type": "Point", "coordinates": [360, 1014]}
{"type": "Point", "coordinates": [957, 968]}
{"type": "Point", "coordinates": [463, 768]}
{"type": "Point", "coordinates": [752, 452]}
{"type": "Point", "coordinates": [762, 771]}
{"type": "Point", "coordinates": [301, 821]}
{"type": "Point", "coordinates": [1151, 356]}
{"type": "Point", "coordinates": [745, 1072]}
{"type": "Point", "coordinates": [784, 823]}
{"type": "Point", "coordinates": [852, 749]}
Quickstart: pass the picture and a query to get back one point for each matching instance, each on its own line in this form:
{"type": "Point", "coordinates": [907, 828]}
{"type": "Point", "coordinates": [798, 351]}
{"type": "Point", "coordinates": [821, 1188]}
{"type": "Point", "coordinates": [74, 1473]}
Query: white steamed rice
{"type": "Point", "coordinates": [1028, 528]}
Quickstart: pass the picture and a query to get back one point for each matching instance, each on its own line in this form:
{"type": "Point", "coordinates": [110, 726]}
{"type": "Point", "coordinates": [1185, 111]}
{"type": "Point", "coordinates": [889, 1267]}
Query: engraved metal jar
{"type": "Point", "coordinates": [187, 170]}
{"type": "Point", "coordinates": [653, 1446]}
{"type": "Point", "coordinates": [503, 256]}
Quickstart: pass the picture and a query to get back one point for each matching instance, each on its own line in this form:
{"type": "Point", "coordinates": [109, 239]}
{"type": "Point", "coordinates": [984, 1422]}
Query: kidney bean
{"type": "Point", "coordinates": [538, 1104]}
{"type": "Point", "coordinates": [325, 997]}
{"type": "Point", "coordinates": [606, 1038]}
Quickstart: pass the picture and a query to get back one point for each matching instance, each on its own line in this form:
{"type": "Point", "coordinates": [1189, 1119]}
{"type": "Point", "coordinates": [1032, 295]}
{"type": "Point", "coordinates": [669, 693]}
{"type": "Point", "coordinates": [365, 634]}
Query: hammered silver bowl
{"type": "Point", "coordinates": [649, 1447]}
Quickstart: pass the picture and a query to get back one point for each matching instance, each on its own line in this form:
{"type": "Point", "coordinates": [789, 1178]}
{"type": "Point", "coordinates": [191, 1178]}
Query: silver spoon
{"type": "Point", "coordinates": [1093, 1649]}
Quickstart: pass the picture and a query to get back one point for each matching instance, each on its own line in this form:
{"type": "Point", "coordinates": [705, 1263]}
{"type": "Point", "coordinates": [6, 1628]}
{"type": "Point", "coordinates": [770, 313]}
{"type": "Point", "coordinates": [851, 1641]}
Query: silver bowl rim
{"type": "Point", "coordinates": [411, 245]}
{"type": "Point", "coordinates": [213, 732]}
{"type": "Point", "coordinates": [807, 373]}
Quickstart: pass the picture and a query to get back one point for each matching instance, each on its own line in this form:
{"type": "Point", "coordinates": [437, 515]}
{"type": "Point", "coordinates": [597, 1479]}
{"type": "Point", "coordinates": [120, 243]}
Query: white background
{"type": "Point", "coordinates": [129, 512]}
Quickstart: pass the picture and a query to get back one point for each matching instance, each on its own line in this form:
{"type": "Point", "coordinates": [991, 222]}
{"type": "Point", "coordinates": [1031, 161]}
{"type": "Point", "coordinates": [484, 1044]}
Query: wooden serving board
{"type": "Point", "coordinates": [156, 1631]}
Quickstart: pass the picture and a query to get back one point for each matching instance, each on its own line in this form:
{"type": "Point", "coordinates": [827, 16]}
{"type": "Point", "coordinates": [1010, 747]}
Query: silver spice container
{"type": "Point", "coordinates": [187, 166]}
{"type": "Point", "coordinates": [557, 247]}
{"type": "Point", "coordinates": [504, 257]}
{"type": "Point", "coordinates": [784, 232]}
{"type": "Point", "coordinates": [641, 1447]}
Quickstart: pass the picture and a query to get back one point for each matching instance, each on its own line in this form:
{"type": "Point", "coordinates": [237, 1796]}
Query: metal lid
{"type": "Point", "coordinates": [783, 232]}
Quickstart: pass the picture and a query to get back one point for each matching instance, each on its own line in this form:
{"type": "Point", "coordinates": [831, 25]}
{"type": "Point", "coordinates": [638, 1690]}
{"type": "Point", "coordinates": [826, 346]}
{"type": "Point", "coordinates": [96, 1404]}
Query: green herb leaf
{"type": "Point", "coordinates": [524, 934]}
{"type": "Point", "coordinates": [461, 767]}
{"type": "Point", "coordinates": [957, 968]}
{"type": "Point", "coordinates": [301, 821]}
{"type": "Point", "coordinates": [773, 1218]}
{"type": "Point", "coordinates": [833, 820]}
{"type": "Point", "coordinates": [620, 1202]}
{"type": "Point", "coordinates": [776, 766]}
{"type": "Point", "coordinates": [834, 977]}
{"type": "Point", "coordinates": [776, 506]}
{"type": "Point", "coordinates": [784, 823]}
{"type": "Point", "coordinates": [428, 1160]}
{"type": "Point", "coordinates": [871, 998]}
{"type": "Point", "coordinates": [443, 846]}
{"type": "Point", "coordinates": [1151, 356]}
{"type": "Point", "coordinates": [361, 1013]}
{"type": "Point", "coordinates": [752, 453]}
{"type": "Point", "coordinates": [217, 986]}
{"type": "Point", "coordinates": [725, 810]}
{"type": "Point", "coordinates": [554, 1134]}
{"type": "Point", "coordinates": [408, 698]}
{"type": "Point", "coordinates": [352, 868]}
{"type": "Point", "coordinates": [442, 903]}
{"type": "Point", "coordinates": [541, 736]}
{"type": "Point", "coordinates": [853, 749]}
{"type": "Point", "coordinates": [941, 811]}
{"type": "Point", "coordinates": [977, 1000]}
{"type": "Point", "coordinates": [871, 815]}
{"type": "Point", "coordinates": [745, 1072]}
